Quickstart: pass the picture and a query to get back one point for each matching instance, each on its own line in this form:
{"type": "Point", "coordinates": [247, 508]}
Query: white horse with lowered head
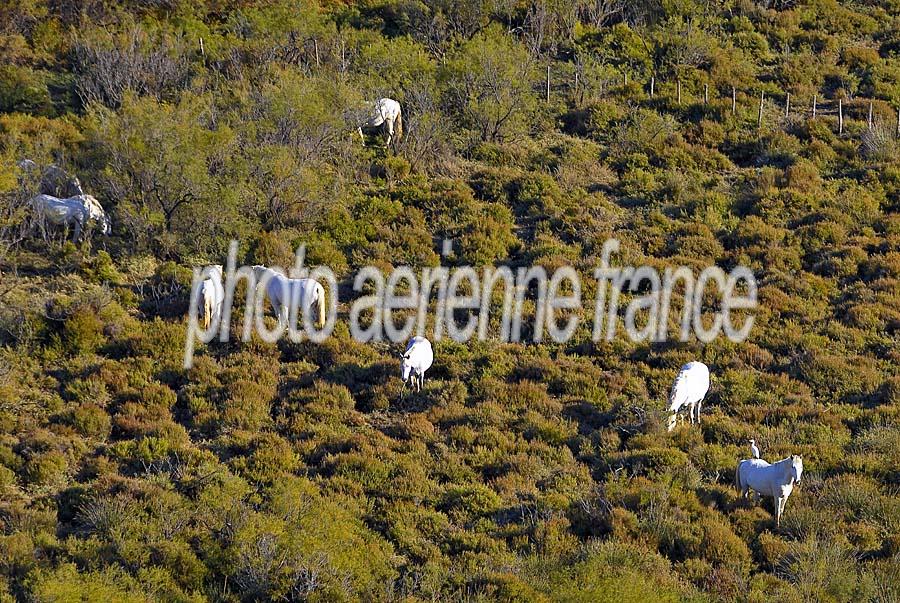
{"type": "Point", "coordinates": [386, 114]}
{"type": "Point", "coordinates": [78, 211]}
{"type": "Point", "coordinates": [688, 391]}
{"type": "Point", "coordinates": [212, 296]}
{"type": "Point", "coordinates": [283, 292]}
{"type": "Point", "coordinates": [417, 359]}
{"type": "Point", "coordinates": [776, 479]}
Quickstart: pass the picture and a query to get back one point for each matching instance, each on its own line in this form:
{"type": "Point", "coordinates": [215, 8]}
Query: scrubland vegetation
{"type": "Point", "coordinates": [522, 472]}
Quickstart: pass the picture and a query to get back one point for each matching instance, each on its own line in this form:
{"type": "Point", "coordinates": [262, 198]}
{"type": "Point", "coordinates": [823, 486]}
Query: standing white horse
{"type": "Point", "coordinates": [385, 114]}
{"type": "Point", "coordinates": [304, 292]}
{"type": "Point", "coordinates": [78, 210]}
{"type": "Point", "coordinates": [776, 480]}
{"type": "Point", "coordinates": [688, 391]}
{"type": "Point", "coordinates": [212, 296]}
{"type": "Point", "coordinates": [417, 359]}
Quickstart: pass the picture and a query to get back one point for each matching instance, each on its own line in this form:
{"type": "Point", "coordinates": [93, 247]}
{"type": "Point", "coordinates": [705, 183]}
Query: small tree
{"type": "Point", "coordinates": [488, 83]}
{"type": "Point", "coordinates": [165, 168]}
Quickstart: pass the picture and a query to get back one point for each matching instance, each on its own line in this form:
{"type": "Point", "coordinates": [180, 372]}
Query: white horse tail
{"type": "Point", "coordinates": [398, 127]}
{"type": "Point", "coordinates": [320, 302]}
{"type": "Point", "coordinates": [207, 310]}
{"type": "Point", "coordinates": [737, 478]}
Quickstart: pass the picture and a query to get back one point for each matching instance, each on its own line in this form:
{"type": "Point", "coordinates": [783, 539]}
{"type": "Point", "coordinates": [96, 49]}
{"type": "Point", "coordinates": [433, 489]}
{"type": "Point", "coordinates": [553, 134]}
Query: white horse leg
{"type": "Point", "coordinates": [390, 130]}
{"type": "Point", "coordinates": [699, 404]}
{"type": "Point", "coordinates": [778, 507]}
{"type": "Point", "coordinates": [361, 136]}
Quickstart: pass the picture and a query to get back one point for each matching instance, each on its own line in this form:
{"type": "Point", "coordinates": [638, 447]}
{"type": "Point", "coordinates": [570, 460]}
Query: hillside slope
{"type": "Point", "coordinates": [522, 472]}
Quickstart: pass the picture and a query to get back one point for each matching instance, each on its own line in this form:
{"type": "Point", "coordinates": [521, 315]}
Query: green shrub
{"type": "Point", "coordinates": [91, 421]}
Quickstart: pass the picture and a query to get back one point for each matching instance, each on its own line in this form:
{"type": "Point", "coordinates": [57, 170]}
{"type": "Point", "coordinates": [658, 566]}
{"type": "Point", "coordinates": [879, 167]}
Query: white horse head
{"type": "Point", "coordinates": [259, 271]}
{"type": "Point", "coordinates": [796, 468]}
{"type": "Point", "coordinates": [96, 213]}
{"type": "Point", "coordinates": [405, 367]}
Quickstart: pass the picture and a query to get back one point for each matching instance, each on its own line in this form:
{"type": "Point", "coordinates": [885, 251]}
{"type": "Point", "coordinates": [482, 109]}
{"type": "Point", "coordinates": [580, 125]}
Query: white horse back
{"type": "Point", "coordinates": [307, 289]}
{"type": "Point", "coordinates": [388, 107]}
{"type": "Point", "coordinates": [420, 352]}
{"type": "Point", "coordinates": [690, 385]}
{"type": "Point", "coordinates": [765, 478]}
{"type": "Point", "coordinates": [58, 211]}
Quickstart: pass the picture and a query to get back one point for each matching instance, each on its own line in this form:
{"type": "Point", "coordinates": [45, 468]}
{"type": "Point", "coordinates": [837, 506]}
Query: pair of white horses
{"type": "Point", "coordinates": [768, 479]}
{"type": "Point", "coordinates": [279, 290]}
{"type": "Point", "coordinates": [62, 202]}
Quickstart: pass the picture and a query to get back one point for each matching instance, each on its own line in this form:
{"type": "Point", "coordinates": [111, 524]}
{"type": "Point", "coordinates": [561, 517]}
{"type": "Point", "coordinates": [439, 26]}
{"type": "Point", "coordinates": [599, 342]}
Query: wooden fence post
{"type": "Point", "coordinates": [316, 46]}
{"type": "Point", "coordinates": [679, 92]}
{"type": "Point", "coordinates": [815, 98]}
{"type": "Point", "coordinates": [652, 83]}
{"type": "Point", "coordinates": [762, 99]}
{"type": "Point", "coordinates": [705, 94]}
{"type": "Point", "coordinates": [733, 100]}
{"type": "Point", "coordinates": [840, 116]}
{"type": "Point", "coordinates": [202, 52]}
{"type": "Point", "coordinates": [870, 115]}
{"type": "Point", "coordinates": [787, 104]}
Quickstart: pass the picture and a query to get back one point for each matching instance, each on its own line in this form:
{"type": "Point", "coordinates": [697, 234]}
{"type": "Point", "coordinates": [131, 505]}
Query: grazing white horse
{"type": "Point", "coordinates": [78, 210]}
{"type": "Point", "coordinates": [212, 296]}
{"type": "Point", "coordinates": [776, 480]}
{"type": "Point", "coordinates": [386, 114]}
{"type": "Point", "coordinates": [304, 292]}
{"type": "Point", "coordinates": [688, 391]}
{"type": "Point", "coordinates": [417, 359]}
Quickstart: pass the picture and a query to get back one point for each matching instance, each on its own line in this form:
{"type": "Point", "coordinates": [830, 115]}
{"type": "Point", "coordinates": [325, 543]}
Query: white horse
{"type": "Point", "coordinates": [385, 114]}
{"type": "Point", "coordinates": [212, 296]}
{"type": "Point", "coordinates": [688, 391]}
{"type": "Point", "coordinates": [417, 359]}
{"type": "Point", "coordinates": [78, 210]}
{"type": "Point", "coordinates": [776, 480]}
{"type": "Point", "coordinates": [303, 292]}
